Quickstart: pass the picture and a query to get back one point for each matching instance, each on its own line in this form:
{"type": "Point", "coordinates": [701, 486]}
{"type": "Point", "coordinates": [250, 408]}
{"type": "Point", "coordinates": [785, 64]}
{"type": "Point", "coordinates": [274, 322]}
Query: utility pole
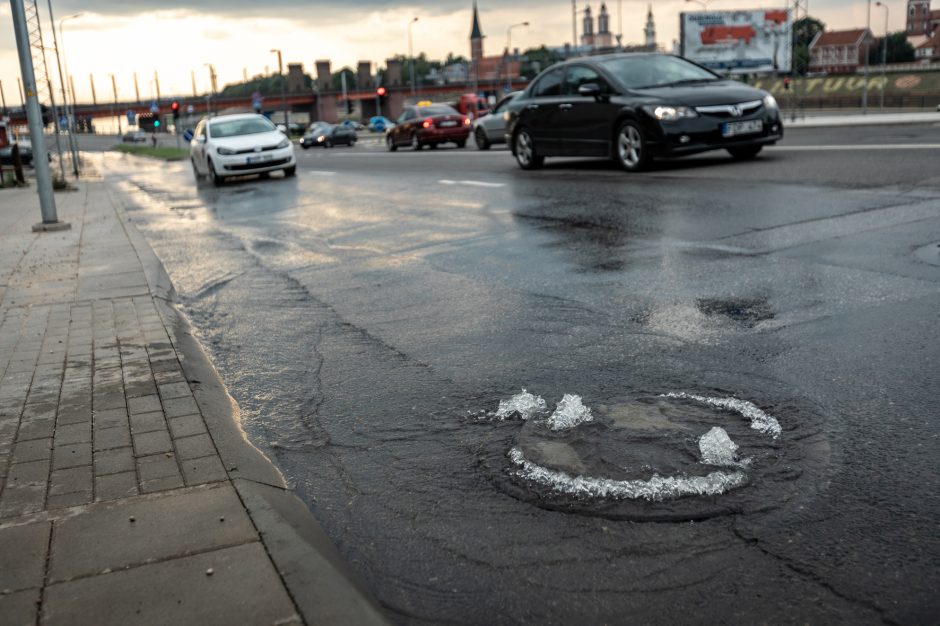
{"type": "Point", "coordinates": [114, 87]}
{"type": "Point", "coordinates": [283, 81]}
{"type": "Point", "coordinates": [50, 219]}
{"type": "Point", "coordinates": [884, 55]}
{"type": "Point", "coordinates": [867, 46]}
{"type": "Point", "coordinates": [411, 57]}
{"type": "Point", "coordinates": [69, 118]}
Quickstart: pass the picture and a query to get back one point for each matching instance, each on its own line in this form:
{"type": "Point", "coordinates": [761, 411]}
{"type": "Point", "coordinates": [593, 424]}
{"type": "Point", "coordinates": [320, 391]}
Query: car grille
{"type": "Point", "coordinates": [263, 149]}
{"type": "Point", "coordinates": [255, 166]}
{"type": "Point", "coordinates": [730, 110]}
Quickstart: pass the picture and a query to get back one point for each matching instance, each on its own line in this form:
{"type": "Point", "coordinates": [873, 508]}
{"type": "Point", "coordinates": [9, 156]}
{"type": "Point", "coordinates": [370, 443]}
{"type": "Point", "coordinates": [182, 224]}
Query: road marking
{"type": "Point", "coordinates": [470, 183]}
{"type": "Point", "coordinates": [886, 146]}
{"type": "Point", "coordinates": [322, 173]}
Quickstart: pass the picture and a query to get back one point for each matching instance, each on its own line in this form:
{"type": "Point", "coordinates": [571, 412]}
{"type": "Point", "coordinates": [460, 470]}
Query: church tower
{"type": "Point", "coordinates": [476, 40]}
{"type": "Point", "coordinates": [918, 17]}
{"type": "Point", "coordinates": [603, 39]}
{"type": "Point", "coordinates": [587, 28]}
{"type": "Point", "coordinates": [650, 30]}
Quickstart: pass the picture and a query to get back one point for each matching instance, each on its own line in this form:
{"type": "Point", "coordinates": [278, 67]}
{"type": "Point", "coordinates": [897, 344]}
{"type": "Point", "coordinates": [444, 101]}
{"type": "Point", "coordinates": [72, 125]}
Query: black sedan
{"type": "Point", "coordinates": [634, 107]}
{"type": "Point", "coordinates": [328, 135]}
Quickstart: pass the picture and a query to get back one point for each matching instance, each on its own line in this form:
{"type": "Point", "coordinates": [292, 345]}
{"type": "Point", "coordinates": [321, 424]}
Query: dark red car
{"type": "Point", "coordinates": [428, 125]}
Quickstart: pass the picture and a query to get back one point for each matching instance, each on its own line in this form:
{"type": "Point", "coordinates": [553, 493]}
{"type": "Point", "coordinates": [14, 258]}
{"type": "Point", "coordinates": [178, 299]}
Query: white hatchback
{"type": "Point", "coordinates": [237, 145]}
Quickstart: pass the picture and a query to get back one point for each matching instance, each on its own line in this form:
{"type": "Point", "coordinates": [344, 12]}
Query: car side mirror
{"type": "Point", "coordinates": [590, 90]}
{"type": "Point", "coordinates": [201, 139]}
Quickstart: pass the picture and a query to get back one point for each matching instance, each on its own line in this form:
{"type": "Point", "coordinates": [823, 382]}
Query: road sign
{"type": "Point", "coordinates": [189, 109]}
{"type": "Point", "coordinates": [131, 117]}
{"type": "Point", "coordinates": [154, 107]}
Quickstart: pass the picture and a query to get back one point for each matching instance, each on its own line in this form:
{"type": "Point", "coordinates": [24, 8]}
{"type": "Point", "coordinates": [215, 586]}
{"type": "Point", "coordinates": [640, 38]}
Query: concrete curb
{"type": "Point", "coordinates": [874, 119]}
{"type": "Point", "coordinates": [320, 582]}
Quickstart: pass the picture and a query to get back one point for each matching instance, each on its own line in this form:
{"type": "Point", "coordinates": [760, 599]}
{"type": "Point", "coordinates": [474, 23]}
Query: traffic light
{"type": "Point", "coordinates": [149, 122]}
{"type": "Point", "coordinates": [349, 106]}
{"type": "Point", "coordinates": [175, 107]}
{"type": "Point", "coordinates": [381, 92]}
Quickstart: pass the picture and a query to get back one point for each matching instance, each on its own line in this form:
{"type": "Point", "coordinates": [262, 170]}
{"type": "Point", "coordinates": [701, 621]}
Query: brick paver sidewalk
{"type": "Point", "coordinates": [121, 499]}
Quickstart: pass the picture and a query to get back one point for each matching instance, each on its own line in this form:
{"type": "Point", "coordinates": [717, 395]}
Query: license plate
{"type": "Point", "coordinates": [259, 159]}
{"type": "Point", "coordinates": [748, 127]}
{"type": "Point", "coordinates": [447, 123]}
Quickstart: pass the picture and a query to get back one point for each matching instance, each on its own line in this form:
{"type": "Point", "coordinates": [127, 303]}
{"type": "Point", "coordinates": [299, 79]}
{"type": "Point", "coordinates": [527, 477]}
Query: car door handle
{"type": "Point", "coordinates": [564, 106]}
{"type": "Point", "coordinates": [532, 107]}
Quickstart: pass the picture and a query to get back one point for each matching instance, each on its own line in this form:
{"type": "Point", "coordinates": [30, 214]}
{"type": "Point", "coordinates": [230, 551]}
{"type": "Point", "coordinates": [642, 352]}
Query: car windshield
{"type": "Point", "coordinates": [247, 126]}
{"type": "Point", "coordinates": [437, 109]}
{"type": "Point", "coordinates": [641, 72]}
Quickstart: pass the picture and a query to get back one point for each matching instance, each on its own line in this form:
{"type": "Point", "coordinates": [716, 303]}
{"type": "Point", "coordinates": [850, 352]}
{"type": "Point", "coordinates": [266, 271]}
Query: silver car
{"type": "Point", "coordinates": [491, 128]}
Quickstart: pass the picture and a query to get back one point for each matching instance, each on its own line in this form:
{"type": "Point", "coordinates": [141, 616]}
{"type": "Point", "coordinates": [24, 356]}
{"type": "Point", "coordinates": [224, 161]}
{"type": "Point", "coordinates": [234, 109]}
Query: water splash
{"type": "Point", "coordinates": [525, 404]}
{"type": "Point", "coordinates": [569, 413]}
{"type": "Point", "coordinates": [657, 488]}
{"type": "Point", "coordinates": [760, 421]}
{"type": "Point", "coordinates": [718, 449]}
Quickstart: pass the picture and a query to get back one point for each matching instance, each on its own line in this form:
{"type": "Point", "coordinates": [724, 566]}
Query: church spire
{"type": "Point", "coordinates": [475, 31]}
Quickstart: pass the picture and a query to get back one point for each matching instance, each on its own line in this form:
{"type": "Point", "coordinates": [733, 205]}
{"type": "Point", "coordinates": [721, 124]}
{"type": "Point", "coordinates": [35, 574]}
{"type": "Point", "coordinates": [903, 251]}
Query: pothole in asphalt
{"type": "Point", "coordinates": [648, 457]}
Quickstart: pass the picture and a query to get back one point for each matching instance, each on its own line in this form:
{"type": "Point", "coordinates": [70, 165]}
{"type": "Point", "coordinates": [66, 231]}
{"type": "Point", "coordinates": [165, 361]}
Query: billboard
{"type": "Point", "coordinates": [739, 42]}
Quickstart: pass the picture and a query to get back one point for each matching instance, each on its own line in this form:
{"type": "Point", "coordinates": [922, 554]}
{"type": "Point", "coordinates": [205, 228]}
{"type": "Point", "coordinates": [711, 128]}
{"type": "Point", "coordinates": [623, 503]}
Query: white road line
{"type": "Point", "coordinates": [470, 183]}
{"type": "Point", "coordinates": [886, 146]}
{"type": "Point", "coordinates": [322, 173]}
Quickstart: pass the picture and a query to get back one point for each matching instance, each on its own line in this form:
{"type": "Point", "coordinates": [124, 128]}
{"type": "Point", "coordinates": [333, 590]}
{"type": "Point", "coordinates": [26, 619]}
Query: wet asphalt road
{"type": "Point", "coordinates": [369, 312]}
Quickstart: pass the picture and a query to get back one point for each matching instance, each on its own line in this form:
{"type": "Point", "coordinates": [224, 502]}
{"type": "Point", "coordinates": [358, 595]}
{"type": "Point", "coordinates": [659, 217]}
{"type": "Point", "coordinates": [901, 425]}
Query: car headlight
{"type": "Point", "coordinates": [321, 138]}
{"type": "Point", "coordinates": [284, 143]}
{"type": "Point", "coordinates": [666, 113]}
{"type": "Point", "coordinates": [225, 151]}
{"type": "Point", "coordinates": [770, 102]}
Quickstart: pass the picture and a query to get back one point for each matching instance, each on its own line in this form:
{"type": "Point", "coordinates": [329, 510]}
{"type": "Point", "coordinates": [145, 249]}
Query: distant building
{"type": "Point", "coordinates": [364, 74]}
{"type": "Point", "coordinates": [324, 75]}
{"type": "Point", "coordinates": [587, 28]}
{"type": "Point", "coordinates": [492, 68]}
{"type": "Point", "coordinates": [839, 51]}
{"type": "Point", "coordinates": [295, 78]}
{"type": "Point", "coordinates": [929, 49]}
{"type": "Point", "coordinates": [392, 73]}
{"type": "Point", "coordinates": [604, 38]}
{"type": "Point", "coordinates": [921, 20]}
{"type": "Point", "coordinates": [650, 30]}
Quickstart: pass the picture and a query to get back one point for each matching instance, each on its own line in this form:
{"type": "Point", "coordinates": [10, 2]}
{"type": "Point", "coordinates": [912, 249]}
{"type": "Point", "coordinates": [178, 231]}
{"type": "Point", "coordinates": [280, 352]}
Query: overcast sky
{"type": "Point", "coordinates": [175, 38]}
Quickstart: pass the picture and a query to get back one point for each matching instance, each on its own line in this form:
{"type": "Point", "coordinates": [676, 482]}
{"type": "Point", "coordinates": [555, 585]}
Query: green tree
{"type": "Point", "coordinates": [899, 49]}
{"type": "Point", "coordinates": [265, 85]}
{"type": "Point", "coordinates": [804, 31]}
{"type": "Point", "coordinates": [336, 80]}
{"type": "Point", "coordinates": [537, 59]}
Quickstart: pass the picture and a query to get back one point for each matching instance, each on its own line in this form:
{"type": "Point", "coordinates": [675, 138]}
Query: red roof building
{"type": "Point", "coordinates": [839, 51]}
{"type": "Point", "coordinates": [930, 49]}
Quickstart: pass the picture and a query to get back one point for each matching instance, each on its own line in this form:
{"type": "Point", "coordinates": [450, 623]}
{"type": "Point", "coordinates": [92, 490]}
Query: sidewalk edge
{"type": "Point", "coordinates": [321, 583]}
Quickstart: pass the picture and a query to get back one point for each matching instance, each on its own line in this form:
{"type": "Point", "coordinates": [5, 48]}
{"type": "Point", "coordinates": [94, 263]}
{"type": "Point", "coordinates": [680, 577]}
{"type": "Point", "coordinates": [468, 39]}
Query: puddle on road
{"type": "Point", "coordinates": [649, 457]}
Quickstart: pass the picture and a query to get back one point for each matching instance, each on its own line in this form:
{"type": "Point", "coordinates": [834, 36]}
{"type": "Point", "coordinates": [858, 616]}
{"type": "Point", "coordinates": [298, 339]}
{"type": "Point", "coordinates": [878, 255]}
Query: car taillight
{"type": "Point", "coordinates": [428, 123]}
{"type": "Point", "coordinates": [466, 121]}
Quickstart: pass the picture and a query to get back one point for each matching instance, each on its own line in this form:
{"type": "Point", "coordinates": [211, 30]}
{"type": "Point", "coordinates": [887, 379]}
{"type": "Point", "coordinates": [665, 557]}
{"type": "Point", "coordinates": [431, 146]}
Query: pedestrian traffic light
{"type": "Point", "coordinates": [175, 107]}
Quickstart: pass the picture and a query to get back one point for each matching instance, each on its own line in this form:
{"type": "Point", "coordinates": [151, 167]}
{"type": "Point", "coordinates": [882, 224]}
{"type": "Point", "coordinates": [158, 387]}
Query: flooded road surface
{"type": "Point", "coordinates": [578, 397]}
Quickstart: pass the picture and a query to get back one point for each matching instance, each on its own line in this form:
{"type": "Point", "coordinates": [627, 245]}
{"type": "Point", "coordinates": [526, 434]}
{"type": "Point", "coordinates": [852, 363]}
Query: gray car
{"type": "Point", "coordinates": [491, 128]}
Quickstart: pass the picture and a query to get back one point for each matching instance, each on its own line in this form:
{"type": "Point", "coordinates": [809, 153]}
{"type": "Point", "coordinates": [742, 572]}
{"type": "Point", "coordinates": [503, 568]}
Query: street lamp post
{"type": "Point", "coordinates": [280, 73]}
{"type": "Point", "coordinates": [411, 57]}
{"type": "Point", "coordinates": [867, 66]}
{"type": "Point", "coordinates": [509, 49]}
{"type": "Point", "coordinates": [211, 87]}
{"type": "Point", "coordinates": [884, 54]}
{"type": "Point", "coordinates": [69, 112]}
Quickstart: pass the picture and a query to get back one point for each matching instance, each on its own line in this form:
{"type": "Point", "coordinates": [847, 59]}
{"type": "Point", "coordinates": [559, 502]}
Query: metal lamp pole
{"type": "Point", "coordinates": [211, 87]}
{"type": "Point", "coordinates": [867, 46]}
{"type": "Point", "coordinates": [411, 57]}
{"type": "Point", "coordinates": [50, 219]}
{"type": "Point", "coordinates": [280, 73]}
{"type": "Point", "coordinates": [509, 49]}
{"type": "Point", "coordinates": [884, 53]}
{"type": "Point", "coordinates": [69, 111]}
